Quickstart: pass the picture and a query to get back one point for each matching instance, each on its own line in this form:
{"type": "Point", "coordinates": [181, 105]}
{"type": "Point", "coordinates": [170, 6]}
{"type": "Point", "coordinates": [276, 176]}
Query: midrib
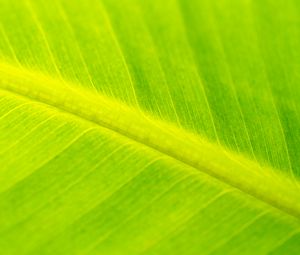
{"type": "Point", "coordinates": [263, 183]}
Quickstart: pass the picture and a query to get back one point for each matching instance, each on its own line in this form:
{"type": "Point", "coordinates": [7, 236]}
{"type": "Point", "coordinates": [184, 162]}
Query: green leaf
{"type": "Point", "coordinates": [149, 127]}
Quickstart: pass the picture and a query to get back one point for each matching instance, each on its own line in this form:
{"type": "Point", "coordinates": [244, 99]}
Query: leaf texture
{"type": "Point", "coordinates": [149, 127]}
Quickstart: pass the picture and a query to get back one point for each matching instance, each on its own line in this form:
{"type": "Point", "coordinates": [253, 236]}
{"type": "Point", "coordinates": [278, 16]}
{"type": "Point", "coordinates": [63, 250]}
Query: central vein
{"type": "Point", "coordinates": [248, 176]}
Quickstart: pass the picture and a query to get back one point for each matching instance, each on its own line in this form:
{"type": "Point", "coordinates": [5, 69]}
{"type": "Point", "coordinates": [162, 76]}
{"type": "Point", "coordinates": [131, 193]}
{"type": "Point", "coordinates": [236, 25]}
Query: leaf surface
{"type": "Point", "coordinates": [149, 127]}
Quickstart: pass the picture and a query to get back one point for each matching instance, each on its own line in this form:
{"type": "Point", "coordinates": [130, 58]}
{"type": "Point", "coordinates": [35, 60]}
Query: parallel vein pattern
{"type": "Point", "coordinates": [149, 127]}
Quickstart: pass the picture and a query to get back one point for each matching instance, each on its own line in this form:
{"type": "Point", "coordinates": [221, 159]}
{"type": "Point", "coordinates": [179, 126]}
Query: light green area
{"type": "Point", "coordinates": [149, 127]}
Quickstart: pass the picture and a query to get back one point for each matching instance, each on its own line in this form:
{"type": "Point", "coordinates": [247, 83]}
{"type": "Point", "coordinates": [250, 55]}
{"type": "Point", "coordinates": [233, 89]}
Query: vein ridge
{"type": "Point", "coordinates": [192, 150]}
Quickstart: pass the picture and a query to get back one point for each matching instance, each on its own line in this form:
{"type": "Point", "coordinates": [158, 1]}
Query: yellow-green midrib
{"type": "Point", "coordinates": [261, 182]}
